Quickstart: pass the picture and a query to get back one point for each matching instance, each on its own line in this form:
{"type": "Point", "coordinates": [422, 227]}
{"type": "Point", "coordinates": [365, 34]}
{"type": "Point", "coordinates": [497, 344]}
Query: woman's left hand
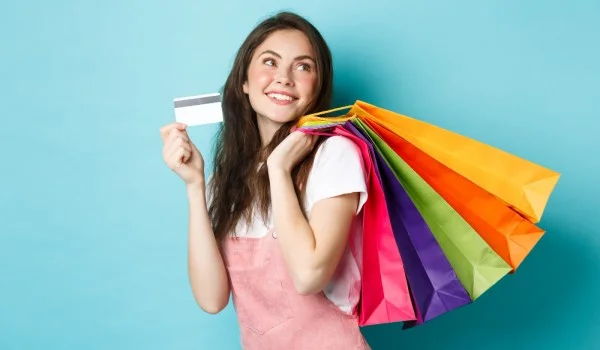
{"type": "Point", "coordinates": [290, 151]}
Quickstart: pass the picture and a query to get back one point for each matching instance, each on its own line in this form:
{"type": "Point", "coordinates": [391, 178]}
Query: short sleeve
{"type": "Point", "coordinates": [338, 169]}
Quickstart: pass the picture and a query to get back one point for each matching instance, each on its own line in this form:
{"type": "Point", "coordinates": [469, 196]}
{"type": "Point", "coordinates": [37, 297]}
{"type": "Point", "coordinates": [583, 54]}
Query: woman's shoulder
{"type": "Point", "coordinates": [338, 159]}
{"type": "Point", "coordinates": [337, 148]}
{"type": "Point", "coordinates": [339, 141]}
{"type": "Point", "coordinates": [338, 169]}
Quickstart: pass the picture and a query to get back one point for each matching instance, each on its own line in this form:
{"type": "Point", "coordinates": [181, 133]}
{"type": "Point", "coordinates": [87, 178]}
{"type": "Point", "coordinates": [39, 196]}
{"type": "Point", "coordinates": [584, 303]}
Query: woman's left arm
{"type": "Point", "coordinates": [311, 248]}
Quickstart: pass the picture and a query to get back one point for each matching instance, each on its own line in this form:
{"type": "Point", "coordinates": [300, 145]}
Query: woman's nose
{"type": "Point", "coordinates": [284, 77]}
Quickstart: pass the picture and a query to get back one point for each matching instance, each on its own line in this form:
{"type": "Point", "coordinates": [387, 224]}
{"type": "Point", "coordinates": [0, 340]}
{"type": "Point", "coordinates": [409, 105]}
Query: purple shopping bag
{"type": "Point", "coordinates": [434, 286]}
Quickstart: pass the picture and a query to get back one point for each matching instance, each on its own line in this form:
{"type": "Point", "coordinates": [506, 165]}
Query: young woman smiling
{"type": "Point", "coordinates": [271, 227]}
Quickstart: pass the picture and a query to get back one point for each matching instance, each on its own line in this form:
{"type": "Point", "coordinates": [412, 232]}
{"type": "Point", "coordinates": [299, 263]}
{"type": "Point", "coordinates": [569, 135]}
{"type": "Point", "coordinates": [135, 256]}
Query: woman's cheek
{"type": "Point", "coordinates": [308, 83]}
{"type": "Point", "coordinates": [260, 78]}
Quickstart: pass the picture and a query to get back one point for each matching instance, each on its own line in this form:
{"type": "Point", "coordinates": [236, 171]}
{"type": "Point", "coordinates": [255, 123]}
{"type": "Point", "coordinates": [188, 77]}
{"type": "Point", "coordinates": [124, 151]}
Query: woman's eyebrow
{"type": "Point", "coordinates": [301, 57]}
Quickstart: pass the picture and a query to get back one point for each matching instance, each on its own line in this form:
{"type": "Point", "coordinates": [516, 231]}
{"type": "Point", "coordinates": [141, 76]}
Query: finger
{"type": "Point", "coordinates": [174, 133]}
{"type": "Point", "coordinates": [181, 153]}
{"type": "Point", "coordinates": [183, 158]}
{"type": "Point", "coordinates": [176, 141]}
{"type": "Point", "coordinates": [171, 144]}
{"type": "Point", "coordinates": [298, 136]}
{"type": "Point", "coordinates": [180, 158]}
{"type": "Point", "coordinates": [165, 130]}
{"type": "Point", "coordinates": [186, 153]}
{"type": "Point", "coordinates": [177, 163]}
{"type": "Point", "coordinates": [174, 152]}
{"type": "Point", "coordinates": [178, 145]}
{"type": "Point", "coordinates": [313, 141]}
{"type": "Point", "coordinates": [175, 160]}
{"type": "Point", "coordinates": [165, 134]}
{"type": "Point", "coordinates": [310, 139]}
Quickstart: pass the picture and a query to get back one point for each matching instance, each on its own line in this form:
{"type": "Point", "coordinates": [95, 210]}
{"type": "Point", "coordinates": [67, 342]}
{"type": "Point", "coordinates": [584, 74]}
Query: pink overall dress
{"type": "Point", "coordinates": [271, 314]}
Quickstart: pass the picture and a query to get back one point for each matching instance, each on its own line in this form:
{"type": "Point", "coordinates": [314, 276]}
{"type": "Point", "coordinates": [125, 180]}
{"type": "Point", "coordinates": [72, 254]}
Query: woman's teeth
{"type": "Point", "coordinates": [281, 97]}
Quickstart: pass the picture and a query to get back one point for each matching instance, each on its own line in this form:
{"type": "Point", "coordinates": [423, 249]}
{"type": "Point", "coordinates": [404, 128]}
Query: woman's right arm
{"type": "Point", "coordinates": [207, 273]}
{"type": "Point", "coordinates": [206, 269]}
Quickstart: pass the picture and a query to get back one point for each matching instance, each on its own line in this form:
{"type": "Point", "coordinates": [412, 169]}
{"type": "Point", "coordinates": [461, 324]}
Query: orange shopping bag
{"type": "Point", "coordinates": [508, 233]}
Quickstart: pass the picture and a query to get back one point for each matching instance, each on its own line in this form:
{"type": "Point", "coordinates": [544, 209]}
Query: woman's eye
{"type": "Point", "coordinates": [304, 66]}
{"type": "Point", "coordinates": [269, 62]}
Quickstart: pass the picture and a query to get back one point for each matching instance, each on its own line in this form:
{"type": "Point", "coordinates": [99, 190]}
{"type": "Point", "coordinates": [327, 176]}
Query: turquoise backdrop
{"type": "Point", "coordinates": [93, 224]}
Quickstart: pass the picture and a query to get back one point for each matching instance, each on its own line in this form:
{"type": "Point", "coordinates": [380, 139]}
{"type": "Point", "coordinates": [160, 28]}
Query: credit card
{"type": "Point", "coordinates": [198, 109]}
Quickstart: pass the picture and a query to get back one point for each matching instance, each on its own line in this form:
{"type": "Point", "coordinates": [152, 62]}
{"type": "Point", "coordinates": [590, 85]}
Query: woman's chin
{"type": "Point", "coordinates": [281, 118]}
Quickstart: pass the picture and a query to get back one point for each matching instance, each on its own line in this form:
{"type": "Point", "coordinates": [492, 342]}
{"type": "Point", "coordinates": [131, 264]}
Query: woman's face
{"type": "Point", "coordinates": [282, 77]}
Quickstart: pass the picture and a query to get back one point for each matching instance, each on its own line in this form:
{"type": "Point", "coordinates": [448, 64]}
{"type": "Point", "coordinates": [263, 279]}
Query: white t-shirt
{"type": "Point", "coordinates": [337, 169]}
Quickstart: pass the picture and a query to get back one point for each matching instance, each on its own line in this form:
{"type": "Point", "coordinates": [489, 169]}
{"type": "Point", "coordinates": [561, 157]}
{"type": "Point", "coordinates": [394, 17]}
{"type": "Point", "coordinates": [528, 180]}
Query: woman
{"type": "Point", "coordinates": [282, 205]}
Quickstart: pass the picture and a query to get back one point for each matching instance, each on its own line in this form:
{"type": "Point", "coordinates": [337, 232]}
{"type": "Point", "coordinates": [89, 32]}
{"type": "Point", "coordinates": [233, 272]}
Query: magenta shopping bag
{"type": "Point", "coordinates": [434, 286]}
{"type": "Point", "coordinates": [385, 296]}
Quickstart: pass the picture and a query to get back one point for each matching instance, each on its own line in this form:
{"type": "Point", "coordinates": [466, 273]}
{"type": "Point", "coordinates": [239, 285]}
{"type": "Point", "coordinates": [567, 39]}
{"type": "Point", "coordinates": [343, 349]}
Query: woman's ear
{"type": "Point", "coordinates": [245, 87]}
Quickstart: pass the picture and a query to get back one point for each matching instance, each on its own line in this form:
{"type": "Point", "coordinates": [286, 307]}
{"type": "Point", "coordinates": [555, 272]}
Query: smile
{"type": "Point", "coordinates": [281, 97]}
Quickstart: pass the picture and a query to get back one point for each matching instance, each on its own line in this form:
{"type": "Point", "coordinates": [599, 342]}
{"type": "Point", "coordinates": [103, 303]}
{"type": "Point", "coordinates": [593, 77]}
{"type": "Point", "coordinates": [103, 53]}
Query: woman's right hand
{"type": "Point", "coordinates": [180, 153]}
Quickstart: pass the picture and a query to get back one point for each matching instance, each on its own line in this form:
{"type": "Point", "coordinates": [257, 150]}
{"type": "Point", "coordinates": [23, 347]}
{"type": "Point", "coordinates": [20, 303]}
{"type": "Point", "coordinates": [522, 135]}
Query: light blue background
{"type": "Point", "coordinates": [93, 224]}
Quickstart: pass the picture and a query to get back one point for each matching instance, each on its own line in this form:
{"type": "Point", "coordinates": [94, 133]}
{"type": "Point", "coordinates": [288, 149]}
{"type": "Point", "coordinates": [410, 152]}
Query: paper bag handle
{"type": "Point", "coordinates": [329, 111]}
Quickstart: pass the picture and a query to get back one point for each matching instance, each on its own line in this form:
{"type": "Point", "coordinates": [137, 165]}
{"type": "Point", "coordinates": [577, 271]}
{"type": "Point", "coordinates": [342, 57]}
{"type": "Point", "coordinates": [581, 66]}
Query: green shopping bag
{"type": "Point", "coordinates": [476, 264]}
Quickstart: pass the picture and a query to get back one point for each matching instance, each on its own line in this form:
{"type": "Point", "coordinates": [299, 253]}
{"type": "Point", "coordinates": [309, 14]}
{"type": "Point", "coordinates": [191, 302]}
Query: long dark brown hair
{"type": "Point", "coordinates": [237, 182]}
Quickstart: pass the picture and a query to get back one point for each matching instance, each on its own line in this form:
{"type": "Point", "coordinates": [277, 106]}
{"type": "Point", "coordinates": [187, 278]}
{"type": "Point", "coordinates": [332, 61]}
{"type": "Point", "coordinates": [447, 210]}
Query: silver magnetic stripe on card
{"type": "Point", "coordinates": [197, 101]}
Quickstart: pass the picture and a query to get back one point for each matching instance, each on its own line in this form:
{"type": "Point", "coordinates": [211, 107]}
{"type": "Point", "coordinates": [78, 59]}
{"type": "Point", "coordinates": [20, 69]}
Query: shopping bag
{"type": "Point", "coordinates": [385, 297]}
{"type": "Point", "coordinates": [508, 233]}
{"type": "Point", "coordinates": [434, 286]}
{"type": "Point", "coordinates": [476, 264]}
{"type": "Point", "coordinates": [521, 184]}
{"type": "Point", "coordinates": [471, 217]}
